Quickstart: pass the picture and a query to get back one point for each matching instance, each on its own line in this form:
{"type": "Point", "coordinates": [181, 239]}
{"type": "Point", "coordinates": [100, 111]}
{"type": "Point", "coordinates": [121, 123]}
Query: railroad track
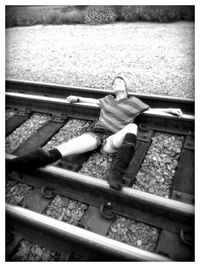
{"type": "Point", "coordinates": [174, 216]}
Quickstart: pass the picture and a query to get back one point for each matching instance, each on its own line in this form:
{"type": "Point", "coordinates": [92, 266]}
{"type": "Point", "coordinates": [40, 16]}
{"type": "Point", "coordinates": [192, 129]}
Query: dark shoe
{"type": "Point", "coordinates": [121, 161]}
{"type": "Point", "coordinates": [33, 160]}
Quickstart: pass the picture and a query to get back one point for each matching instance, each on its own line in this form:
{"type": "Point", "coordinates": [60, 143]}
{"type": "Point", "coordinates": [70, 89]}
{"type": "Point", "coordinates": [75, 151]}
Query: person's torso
{"type": "Point", "coordinates": [115, 115]}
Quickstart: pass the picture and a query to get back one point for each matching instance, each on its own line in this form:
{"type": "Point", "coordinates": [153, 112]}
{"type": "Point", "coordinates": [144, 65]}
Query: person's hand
{"type": "Point", "coordinates": [72, 99]}
{"type": "Point", "coordinates": [175, 111]}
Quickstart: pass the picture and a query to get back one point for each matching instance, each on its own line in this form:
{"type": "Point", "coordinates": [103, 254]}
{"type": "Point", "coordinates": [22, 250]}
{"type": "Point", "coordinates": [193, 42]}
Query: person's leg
{"type": "Point", "coordinates": [116, 140]}
{"type": "Point", "coordinates": [124, 143]}
{"type": "Point", "coordinates": [78, 145]}
{"type": "Point", "coordinates": [40, 158]}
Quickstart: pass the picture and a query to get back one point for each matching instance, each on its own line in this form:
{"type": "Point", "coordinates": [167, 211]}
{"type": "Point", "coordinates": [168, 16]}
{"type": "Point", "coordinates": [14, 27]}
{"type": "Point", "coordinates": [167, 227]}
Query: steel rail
{"type": "Point", "coordinates": [160, 212]}
{"type": "Point", "coordinates": [52, 106]}
{"type": "Point", "coordinates": [46, 104]}
{"type": "Point", "coordinates": [62, 91]}
{"type": "Point", "coordinates": [63, 234]}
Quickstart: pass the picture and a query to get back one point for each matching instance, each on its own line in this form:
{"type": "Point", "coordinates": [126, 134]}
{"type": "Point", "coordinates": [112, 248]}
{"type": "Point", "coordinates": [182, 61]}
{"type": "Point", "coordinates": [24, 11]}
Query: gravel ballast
{"type": "Point", "coordinates": [22, 133]}
{"type": "Point", "coordinates": [157, 58]}
{"type": "Point", "coordinates": [159, 166]}
{"type": "Point", "coordinates": [155, 176]}
{"type": "Point", "coordinates": [134, 233]}
{"type": "Point", "coordinates": [30, 252]}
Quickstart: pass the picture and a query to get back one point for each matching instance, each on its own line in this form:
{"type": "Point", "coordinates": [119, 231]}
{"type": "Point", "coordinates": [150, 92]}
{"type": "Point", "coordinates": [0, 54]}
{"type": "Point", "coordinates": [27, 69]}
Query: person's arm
{"type": "Point", "coordinates": [74, 99]}
{"type": "Point", "coordinates": [162, 111]}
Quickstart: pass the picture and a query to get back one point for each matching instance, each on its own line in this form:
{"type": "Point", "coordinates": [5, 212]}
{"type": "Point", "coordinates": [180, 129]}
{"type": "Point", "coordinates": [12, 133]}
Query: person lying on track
{"type": "Point", "coordinates": [115, 131]}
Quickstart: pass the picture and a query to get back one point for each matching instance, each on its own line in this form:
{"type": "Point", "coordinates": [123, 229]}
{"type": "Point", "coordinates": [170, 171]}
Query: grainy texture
{"type": "Point", "coordinates": [30, 252]}
{"type": "Point", "coordinates": [10, 113]}
{"type": "Point", "coordinates": [157, 58]}
{"type": "Point", "coordinates": [97, 165]}
{"type": "Point", "coordinates": [159, 166]}
{"type": "Point", "coordinates": [15, 192]}
{"type": "Point", "coordinates": [71, 212]}
{"type": "Point", "coordinates": [155, 176]}
{"type": "Point", "coordinates": [22, 133]}
{"type": "Point", "coordinates": [133, 233]}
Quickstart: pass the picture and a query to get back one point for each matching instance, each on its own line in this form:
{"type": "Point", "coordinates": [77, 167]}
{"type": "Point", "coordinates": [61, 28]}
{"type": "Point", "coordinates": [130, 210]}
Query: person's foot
{"type": "Point", "coordinates": [33, 160]}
